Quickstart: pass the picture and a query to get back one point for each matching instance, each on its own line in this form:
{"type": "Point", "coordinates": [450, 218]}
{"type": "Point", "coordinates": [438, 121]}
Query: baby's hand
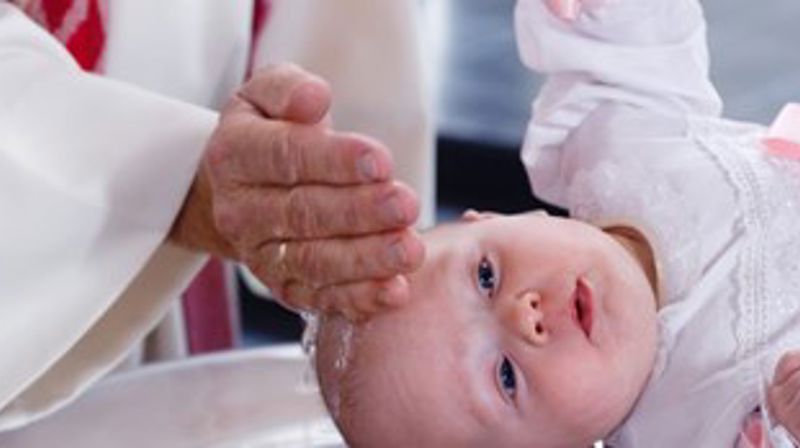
{"type": "Point", "coordinates": [569, 10]}
{"type": "Point", "coordinates": [783, 395]}
{"type": "Point", "coordinates": [565, 9]}
{"type": "Point", "coordinates": [752, 433]}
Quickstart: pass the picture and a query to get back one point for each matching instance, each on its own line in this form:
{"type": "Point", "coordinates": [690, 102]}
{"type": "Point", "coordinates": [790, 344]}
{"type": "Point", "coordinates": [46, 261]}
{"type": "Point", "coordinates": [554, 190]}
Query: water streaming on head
{"type": "Point", "coordinates": [343, 330]}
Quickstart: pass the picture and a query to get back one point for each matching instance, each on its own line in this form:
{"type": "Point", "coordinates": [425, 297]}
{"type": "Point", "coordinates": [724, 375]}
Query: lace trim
{"type": "Point", "coordinates": [750, 325]}
{"type": "Point", "coordinates": [769, 272]}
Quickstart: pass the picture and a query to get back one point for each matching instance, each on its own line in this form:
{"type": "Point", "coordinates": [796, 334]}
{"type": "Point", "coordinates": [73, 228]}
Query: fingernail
{"type": "Point", "coordinates": [385, 297]}
{"type": "Point", "coordinates": [390, 298]}
{"type": "Point", "coordinates": [392, 294]}
{"type": "Point", "coordinates": [399, 254]}
{"type": "Point", "coordinates": [391, 209]}
{"type": "Point", "coordinates": [368, 166]}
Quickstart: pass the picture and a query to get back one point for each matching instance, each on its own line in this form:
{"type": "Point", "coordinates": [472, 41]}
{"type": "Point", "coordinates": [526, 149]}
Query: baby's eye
{"type": "Point", "coordinates": [507, 378]}
{"type": "Point", "coordinates": [486, 278]}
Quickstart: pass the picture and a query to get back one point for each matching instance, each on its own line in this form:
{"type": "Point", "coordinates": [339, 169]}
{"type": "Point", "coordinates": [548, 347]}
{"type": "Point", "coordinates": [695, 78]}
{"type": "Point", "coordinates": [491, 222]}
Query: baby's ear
{"type": "Point", "coordinates": [473, 215]}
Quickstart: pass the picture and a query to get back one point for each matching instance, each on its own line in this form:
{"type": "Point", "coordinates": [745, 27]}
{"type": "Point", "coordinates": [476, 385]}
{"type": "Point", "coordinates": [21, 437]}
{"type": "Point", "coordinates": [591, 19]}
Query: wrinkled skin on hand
{"type": "Point", "coordinates": [313, 212]}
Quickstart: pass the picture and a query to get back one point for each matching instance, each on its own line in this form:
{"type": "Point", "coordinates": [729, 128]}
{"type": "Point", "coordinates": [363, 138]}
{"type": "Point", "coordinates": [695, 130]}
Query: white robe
{"type": "Point", "coordinates": [93, 170]}
{"type": "Point", "coordinates": [626, 131]}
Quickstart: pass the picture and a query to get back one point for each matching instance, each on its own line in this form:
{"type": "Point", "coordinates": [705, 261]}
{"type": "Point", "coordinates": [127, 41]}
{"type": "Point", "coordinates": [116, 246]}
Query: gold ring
{"type": "Point", "coordinates": [279, 263]}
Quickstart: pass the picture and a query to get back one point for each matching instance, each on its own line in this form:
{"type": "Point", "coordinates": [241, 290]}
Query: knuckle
{"type": "Point", "coordinates": [294, 147]}
{"type": "Point", "coordinates": [217, 155]}
{"type": "Point", "coordinates": [351, 217]}
{"type": "Point", "coordinates": [223, 147]}
{"type": "Point", "coordinates": [299, 213]}
{"type": "Point", "coordinates": [359, 263]}
{"type": "Point", "coordinates": [307, 262]}
{"type": "Point", "coordinates": [281, 152]}
{"type": "Point", "coordinates": [229, 221]}
{"type": "Point", "coordinates": [326, 299]}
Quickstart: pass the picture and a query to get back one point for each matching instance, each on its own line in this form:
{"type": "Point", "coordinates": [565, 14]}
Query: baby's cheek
{"type": "Point", "coordinates": [568, 388]}
{"type": "Point", "coordinates": [591, 402]}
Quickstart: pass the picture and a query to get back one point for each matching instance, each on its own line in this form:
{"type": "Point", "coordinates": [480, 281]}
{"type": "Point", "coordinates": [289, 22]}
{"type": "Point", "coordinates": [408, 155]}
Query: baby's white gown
{"type": "Point", "coordinates": [627, 131]}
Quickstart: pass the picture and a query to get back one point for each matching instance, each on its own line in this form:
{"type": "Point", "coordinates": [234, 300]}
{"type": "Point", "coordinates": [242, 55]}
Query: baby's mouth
{"type": "Point", "coordinates": [582, 307]}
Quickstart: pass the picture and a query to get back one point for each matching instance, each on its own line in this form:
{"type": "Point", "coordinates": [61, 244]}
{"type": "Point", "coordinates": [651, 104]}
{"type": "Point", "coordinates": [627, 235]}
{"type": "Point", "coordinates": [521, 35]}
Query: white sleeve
{"type": "Point", "coordinates": [92, 174]}
{"type": "Point", "coordinates": [649, 55]}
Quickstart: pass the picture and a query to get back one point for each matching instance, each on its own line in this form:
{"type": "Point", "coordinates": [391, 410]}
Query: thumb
{"type": "Point", "coordinates": [287, 92]}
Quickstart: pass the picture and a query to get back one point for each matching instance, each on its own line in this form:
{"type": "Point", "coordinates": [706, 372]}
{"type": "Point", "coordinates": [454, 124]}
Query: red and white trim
{"type": "Point", "coordinates": [79, 24]}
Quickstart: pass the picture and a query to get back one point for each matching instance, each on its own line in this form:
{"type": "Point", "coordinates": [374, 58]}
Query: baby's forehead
{"type": "Point", "coordinates": [492, 225]}
{"type": "Point", "coordinates": [433, 372]}
{"type": "Point", "coordinates": [447, 230]}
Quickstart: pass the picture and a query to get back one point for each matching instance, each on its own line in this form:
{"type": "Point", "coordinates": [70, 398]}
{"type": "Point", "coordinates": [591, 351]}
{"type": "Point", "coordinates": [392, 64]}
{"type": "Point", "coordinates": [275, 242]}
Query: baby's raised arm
{"type": "Point", "coordinates": [647, 53]}
{"type": "Point", "coordinates": [644, 55]}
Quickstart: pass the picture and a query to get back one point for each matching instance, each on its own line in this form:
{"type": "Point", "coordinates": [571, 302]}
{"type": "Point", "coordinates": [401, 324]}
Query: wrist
{"type": "Point", "coordinates": [194, 227]}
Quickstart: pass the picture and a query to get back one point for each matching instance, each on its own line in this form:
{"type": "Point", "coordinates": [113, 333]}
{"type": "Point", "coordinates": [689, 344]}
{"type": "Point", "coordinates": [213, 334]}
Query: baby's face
{"type": "Point", "coordinates": [523, 330]}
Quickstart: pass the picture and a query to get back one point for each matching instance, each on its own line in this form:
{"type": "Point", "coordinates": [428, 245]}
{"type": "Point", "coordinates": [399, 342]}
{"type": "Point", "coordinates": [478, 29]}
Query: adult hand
{"type": "Point", "coordinates": [783, 394]}
{"type": "Point", "coordinates": [313, 212]}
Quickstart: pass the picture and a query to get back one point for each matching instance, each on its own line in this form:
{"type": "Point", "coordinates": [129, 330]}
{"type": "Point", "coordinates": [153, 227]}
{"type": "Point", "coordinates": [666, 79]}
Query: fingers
{"type": "Point", "coordinates": [333, 261]}
{"type": "Point", "coordinates": [787, 366]}
{"type": "Point", "coordinates": [752, 433]}
{"type": "Point", "coordinates": [252, 151]}
{"type": "Point", "coordinates": [306, 212]}
{"type": "Point", "coordinates": [784, 394]}
{"type": "Point", "coordinates": [287, 92]}
{"type": "Point", "coordinates": [313, 212]}
{"type": "Point", "coordinates": [356, 301]}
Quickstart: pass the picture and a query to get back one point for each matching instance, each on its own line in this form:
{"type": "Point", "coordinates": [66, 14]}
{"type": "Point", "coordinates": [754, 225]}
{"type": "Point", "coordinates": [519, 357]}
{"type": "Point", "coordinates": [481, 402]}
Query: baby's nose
{"type": "Point", "coordinates": [524, 316]}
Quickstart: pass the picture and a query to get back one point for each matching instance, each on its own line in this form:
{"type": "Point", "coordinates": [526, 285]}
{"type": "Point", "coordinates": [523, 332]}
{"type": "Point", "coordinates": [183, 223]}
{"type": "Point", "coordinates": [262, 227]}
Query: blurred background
{"type": "Point", "coordinates": [483, 94]}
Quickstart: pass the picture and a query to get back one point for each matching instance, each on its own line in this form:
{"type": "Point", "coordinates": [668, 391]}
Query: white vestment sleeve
{"type": "Point", "coordinates": [92, 174]}
{"type": "Point", "coordinates": [638, 54]}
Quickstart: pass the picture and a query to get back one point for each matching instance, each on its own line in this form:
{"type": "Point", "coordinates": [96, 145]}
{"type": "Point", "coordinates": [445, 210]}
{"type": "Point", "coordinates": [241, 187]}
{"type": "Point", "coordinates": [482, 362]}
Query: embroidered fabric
{"type": "Point", "coordinates": [769, 270]}
{"type": "Point", "coordinates": [601, 195]}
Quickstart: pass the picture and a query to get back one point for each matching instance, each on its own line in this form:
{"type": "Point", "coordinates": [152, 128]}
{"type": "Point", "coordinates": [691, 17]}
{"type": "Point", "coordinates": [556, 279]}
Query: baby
{"type": "Point", "coordinates": [654, 318]}
{"type": "Point", "coordinates": [526, 331]}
